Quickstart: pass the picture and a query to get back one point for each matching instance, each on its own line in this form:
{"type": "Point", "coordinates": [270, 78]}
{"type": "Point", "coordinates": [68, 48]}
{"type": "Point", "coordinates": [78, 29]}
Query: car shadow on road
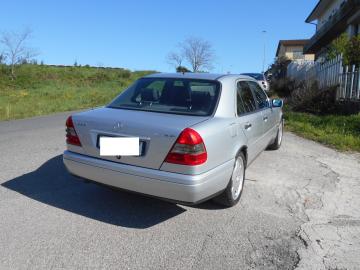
{"type": "Point", "coordinates": [53, 185]}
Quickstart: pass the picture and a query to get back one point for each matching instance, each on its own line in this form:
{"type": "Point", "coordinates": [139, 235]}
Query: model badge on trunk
{"type": "Point", "coordinates": [81, 124]}
{"type": "Point", "coordinates": [118, 126]}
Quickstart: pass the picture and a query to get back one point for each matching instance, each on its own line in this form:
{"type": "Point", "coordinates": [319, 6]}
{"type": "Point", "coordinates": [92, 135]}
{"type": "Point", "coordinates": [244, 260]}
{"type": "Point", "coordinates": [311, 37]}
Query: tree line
{"type": "Point", "coordinates": [193, 54]}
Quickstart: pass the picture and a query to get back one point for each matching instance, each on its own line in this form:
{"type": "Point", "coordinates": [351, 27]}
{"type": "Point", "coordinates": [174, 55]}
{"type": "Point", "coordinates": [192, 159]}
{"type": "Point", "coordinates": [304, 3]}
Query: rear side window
{"type": "Point", "coordinates": [245, 99]}
{"type": "Point", "coordinates": [261, 98]}
{"type": "Point", "coordinates": [170, 95]}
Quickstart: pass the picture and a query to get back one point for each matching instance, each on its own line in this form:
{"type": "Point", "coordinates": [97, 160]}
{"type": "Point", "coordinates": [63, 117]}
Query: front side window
{"type": "Point", "coordinates": [245, 99]}
{"type": "Point", "coordinates": [170, 95]}
{"type": "Point", "coordinates": [261, 98]}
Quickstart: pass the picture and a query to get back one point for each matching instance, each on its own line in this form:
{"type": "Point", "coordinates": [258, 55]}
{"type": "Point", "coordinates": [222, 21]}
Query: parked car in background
{"type": "Point", "coordinates": [196, 134]}
{"type": "Point", "coordinates": [261, 78]}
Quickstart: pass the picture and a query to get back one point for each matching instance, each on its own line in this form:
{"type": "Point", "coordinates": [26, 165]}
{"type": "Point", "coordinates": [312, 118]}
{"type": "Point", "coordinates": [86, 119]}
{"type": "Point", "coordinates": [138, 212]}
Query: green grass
{"type": "Point", "coordinates": [340, 132]}
{"type": "Point", "coordinates": [41, 89]}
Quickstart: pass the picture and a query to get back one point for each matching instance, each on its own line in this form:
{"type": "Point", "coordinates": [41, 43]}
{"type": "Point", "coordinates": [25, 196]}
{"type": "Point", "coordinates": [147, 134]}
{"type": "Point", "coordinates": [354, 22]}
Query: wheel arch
{"type": "Point", "coordinates": [243, 150]}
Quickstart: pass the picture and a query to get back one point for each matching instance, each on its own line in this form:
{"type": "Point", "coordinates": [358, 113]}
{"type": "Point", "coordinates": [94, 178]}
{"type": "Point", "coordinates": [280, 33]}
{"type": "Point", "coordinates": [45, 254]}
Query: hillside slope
{"type": "Point", "coordinates": [42, 89]}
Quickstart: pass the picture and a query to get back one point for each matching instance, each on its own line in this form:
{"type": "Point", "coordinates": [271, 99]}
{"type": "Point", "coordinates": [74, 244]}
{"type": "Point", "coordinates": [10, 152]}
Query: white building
{"type": "Point", "coordinates": [332, 18]}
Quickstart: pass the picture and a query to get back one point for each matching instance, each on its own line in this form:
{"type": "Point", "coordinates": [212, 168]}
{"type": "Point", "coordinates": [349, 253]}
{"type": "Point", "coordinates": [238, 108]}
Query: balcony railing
{"type": "Point", "coordinates": [335, 25]}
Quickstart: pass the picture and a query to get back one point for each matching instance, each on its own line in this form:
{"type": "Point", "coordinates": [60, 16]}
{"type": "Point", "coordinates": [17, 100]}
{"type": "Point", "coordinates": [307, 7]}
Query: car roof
{"type": "Point", "coordinates": [200, 76]}
{"type": "Point", "coordinates": [255, 73]}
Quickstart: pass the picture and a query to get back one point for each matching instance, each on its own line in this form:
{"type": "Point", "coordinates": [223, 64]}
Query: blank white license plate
{"type": "Point", "coordinates": [120, 146]}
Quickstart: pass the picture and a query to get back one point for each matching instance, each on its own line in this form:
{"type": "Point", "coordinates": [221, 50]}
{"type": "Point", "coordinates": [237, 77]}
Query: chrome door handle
{"type": "Point", "coordinates": [248, 125]}
{"type": "Point", "coordinates": [265, 118]}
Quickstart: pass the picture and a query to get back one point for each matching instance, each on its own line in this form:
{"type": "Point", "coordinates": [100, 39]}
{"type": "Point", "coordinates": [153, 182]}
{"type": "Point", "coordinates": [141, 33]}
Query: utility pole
{"type": "Point", "coordinates": [264, 55]}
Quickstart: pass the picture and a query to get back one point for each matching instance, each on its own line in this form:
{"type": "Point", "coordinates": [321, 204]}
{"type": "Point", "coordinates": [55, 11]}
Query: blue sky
{"type": "Point", "coordinates": [139, 34]}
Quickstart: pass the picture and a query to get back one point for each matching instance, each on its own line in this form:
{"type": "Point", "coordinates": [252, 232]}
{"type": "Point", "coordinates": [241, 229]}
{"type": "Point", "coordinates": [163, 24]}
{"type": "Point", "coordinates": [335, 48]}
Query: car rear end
{"type": "Point", "coordinates": [168, 116]}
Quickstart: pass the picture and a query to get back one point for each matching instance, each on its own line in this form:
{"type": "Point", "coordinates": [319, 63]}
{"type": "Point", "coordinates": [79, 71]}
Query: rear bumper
{"type": "Point", "coordinates": [173, 186]}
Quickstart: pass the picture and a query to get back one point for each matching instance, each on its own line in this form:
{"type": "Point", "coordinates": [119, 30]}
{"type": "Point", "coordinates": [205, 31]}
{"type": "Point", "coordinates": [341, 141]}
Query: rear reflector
{"type": "Point", "coordinates": [71, 136]}
{"type": "Point", "coordinates": [189, 149]}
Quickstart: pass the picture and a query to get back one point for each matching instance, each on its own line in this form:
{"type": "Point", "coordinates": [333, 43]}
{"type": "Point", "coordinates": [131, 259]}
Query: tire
{"type": "Point", "coordinates": [278, 140]}
{"type": "Point", "coordinates": [233, 191]}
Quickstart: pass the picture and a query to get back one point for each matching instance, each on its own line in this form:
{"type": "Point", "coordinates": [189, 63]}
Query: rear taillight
{"type": "Point", "coordinates": [71, 136]}
{"type": "Point", "coordinates": [189, 149]}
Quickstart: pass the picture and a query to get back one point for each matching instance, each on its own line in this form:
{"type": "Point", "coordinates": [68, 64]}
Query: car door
{"type": "Point", "coordinates": [249, 119]}
{"type": "Point", "coordinates": [268, 115]}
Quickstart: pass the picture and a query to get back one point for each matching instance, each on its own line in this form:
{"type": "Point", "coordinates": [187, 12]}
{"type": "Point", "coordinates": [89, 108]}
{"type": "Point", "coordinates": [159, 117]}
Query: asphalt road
{"type": "Point", "coordinates": [299, 209]}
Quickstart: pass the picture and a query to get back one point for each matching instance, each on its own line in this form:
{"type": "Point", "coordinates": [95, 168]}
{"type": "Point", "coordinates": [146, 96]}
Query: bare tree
{"type": "Point", "coordinates": [198, 53]}
{"type": "Point", "coordinates": [16, 49]}
{"type": "Point", "coordinates": [175, 59]}
{"type": "Point", "coordinates": [2, 58]}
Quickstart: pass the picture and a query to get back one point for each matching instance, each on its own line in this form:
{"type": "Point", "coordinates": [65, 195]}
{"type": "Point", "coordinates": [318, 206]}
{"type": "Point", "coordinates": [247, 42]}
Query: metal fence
{"type": "Point", "coordinates": [328, 74]}
{"type": "Point", "coordinates": [301, 70]}
{"type": "Point", "coordinates": [349, 83]}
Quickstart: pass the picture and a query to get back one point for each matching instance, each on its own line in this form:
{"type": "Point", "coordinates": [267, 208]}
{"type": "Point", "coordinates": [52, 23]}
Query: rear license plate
{"type": "Point", "coordinates": [120, 146]}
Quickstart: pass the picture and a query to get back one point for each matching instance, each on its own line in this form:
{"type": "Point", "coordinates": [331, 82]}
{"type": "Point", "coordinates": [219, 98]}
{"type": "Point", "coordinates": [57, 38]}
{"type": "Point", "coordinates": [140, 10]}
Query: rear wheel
{"type": "Point", "coordinates": [278, 140]}
{"type": "Point", "coordinates": [232, 193]}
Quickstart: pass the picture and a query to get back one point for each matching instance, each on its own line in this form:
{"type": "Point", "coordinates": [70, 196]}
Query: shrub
{"type": "Point", "coordinates": [349, 48]}
{"type": "Point", "coordinates": [282, 87]}
{"type": "Point", "coordinates": [99, 76]}
{"type": "Point", "coordinates": [182, 69]}
{"type": "Point", "coordinates": [124, 74]}
{"type": "Point", "coordinates": [337, 46]}
{"type": "Point", "coordinates": [352, 52]}
{"type": "Point", "coordinates": [307, 97]}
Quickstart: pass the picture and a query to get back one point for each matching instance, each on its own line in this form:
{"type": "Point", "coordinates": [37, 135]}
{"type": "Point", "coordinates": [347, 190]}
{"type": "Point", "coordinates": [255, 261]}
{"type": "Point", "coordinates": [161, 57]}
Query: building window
{"type": "Point", "coordinates": [298, 55]}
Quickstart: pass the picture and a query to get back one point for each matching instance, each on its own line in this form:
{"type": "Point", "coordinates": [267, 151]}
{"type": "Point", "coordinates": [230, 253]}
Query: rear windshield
{"type": "Point", "coordinates": [170, 95]}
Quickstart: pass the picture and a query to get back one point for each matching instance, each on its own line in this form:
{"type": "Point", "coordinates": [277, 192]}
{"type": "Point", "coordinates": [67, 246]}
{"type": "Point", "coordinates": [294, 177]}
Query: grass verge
{"type": "Point", "coordinates": [339, 132]}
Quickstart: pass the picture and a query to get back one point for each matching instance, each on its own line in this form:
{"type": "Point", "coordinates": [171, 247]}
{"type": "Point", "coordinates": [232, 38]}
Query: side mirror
{"type": "Point", "coordinates": [277, 103]}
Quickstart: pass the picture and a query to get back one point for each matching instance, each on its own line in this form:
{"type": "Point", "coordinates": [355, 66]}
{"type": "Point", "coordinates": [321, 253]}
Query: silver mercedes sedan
{"type": "Point", "coordinates": [181, 137]}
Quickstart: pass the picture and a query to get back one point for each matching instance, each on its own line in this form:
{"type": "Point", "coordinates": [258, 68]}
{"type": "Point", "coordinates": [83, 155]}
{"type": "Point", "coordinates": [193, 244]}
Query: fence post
{"type": "Point", "coordinates": [320, 78]}
{"type": "Point", "coordinates": [345, 82]}
{"type": "Point", "coordinates": [352, 82]}
{"type": "Point", "coordinates": [331, 71]}
{"type": "Point", "coordinates": [358, 83]}
{"type": "Point", "coordinates": [326, 71]}
{"type": "Point", "coordinates": [333, 81]}
{"type": "Point", "coordinates": [341, 74]}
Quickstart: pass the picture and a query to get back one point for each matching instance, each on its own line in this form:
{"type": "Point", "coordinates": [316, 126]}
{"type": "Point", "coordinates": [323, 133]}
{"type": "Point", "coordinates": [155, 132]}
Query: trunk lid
{"type": "Point", "coordinates": [157, 132]}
